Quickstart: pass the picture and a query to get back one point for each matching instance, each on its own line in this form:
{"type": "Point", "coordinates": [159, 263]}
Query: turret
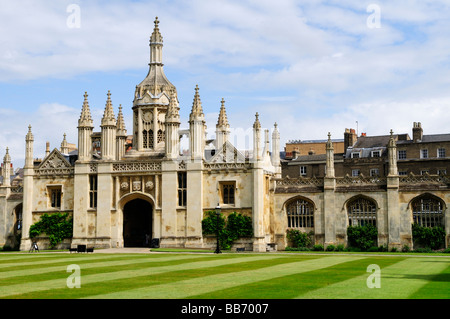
{"type": "Point", "coordinates": [172, 141]}
{"type": "Point", "coordinates": [222, 127]}
{"type": "Point", "coordinates": [330, 158]}
{"type": "Point", "coordinates": [392, 154]}
{"type": "Point", "coordinates": [6, 171]}
{"type": "Point", "coordinates": [109, 130]}
{"type": "Point", "coordinates": [197, 128]}
{"type": "Point", "coordinates": [275, 157]}
{"type": "Point", "coordinates": [85, 128]}
{"type": "Point", "coordinates": [64, 145]}
{"type": "Point", "coordinates": [256, 139]}
{"type": "Point", "coordinates": [29, 140]}
{"type": "Point", "coordinates": [121, 135]}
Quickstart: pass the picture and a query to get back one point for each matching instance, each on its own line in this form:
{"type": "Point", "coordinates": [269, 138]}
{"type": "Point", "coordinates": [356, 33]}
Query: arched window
{"type": "Point", "coordinates": [427, 211]}
{"type": "Point", "coordinates": [362, 211]}
{"type": "Point", "coordinates": [300, 213]}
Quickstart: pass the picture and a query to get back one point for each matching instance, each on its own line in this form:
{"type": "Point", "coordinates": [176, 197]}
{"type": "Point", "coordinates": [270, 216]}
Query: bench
{"type": "Point", "coordinates": [240, 249]}
{"type": "Point", "coordinates": [72, 249]}
{"type": "Point", "coordinates": [90, 250]}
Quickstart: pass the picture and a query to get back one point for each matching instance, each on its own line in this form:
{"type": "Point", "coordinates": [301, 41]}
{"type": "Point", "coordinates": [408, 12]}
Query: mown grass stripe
{"type": "Point", "coordinates": [114, 275]}
{"type": "Point", "coordinates": [290, 286]}
{"type": "Point", "coordinates": [4, 257]}
{"type": "Point", "coordinates": [83, 266]}
{"type": "Point", "coordinates": [34, 263]}
{"type": "Point", "coordinates": [398, 281]}
{"type": "Point", "coordinates": [438, 286]}
{"type": "Point", "coordinates": [188, 288]}
{"type": "Point", "coordinates": [162, 278]}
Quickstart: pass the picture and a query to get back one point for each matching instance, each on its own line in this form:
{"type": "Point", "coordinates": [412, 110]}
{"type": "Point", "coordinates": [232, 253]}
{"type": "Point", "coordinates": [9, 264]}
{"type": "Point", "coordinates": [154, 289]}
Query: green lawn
{"type": "Point", "coordinates": [224, 276]}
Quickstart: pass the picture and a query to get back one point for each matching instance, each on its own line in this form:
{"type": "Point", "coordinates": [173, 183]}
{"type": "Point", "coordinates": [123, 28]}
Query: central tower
{"type": "Point", "coordinates": [151, 102]}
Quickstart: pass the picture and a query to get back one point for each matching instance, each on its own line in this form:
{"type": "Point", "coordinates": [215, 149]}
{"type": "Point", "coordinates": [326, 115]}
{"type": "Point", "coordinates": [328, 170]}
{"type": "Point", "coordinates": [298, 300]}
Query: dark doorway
{"type": "Point", "coordinates": [137, 223]}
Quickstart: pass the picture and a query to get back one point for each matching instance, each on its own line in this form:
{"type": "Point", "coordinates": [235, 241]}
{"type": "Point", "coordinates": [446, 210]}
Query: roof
{"type": "Point", "coordinates": [313, 141]}
{"type": "Point", "coordinates": [429, 139]}
{"type": "Point", "coordinates": [315, 158]}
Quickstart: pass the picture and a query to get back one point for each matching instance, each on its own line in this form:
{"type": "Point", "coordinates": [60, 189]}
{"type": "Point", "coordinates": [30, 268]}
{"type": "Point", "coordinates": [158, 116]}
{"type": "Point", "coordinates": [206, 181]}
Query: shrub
{"type": "Point", "coordinates": [331, 248]}
{"type": "Point", "coordinates": [299, 238]}
{"type": "Point", "coordinates": [230, 229]}
{"type": "Point", "coordinates": [447, 250]}
{"type": "Point", "coordinates": [373, 249]}
{"type": "Point", "coordinates": [423, 250]}
{"type": "Point", "coordinates": [340, 247]}
{"type": "Point", "coordinates": [56, 226]}
{"type": "Point", "coordinates": [394, 249]}
{"type": "Point", "coordinates": [297, 249]}
{"type": "Point", "coordinates": [362, 237]}
{"type": "Point", "coordinates": [431, 237]}
{"type": "Point", "coordinates": [405, 249]}
{"type": "Point", "coordinates": [318, 248]}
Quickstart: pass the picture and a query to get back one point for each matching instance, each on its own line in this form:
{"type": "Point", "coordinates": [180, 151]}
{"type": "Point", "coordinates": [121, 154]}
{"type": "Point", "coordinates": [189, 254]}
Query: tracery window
{"type": "Point", "coordinates": [427, 211]}
{"type": "Point", "coordinates": [160, 136]}
{"type": "Point", "coordinates": [300, 213]}
{"type": "Point", "coordinates": [362, 211]}
{"type": "Point", "coordinates": [147, 139]}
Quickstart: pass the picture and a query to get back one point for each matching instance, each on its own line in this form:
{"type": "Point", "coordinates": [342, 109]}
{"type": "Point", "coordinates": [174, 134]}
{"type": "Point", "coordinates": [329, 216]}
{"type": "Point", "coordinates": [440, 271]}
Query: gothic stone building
{"type": "Point", "coordinates": [390, 181]}
{"type": "Point", "coordinates": [118, 195]}
{"type": "Point", "coordinates": [120, 188]}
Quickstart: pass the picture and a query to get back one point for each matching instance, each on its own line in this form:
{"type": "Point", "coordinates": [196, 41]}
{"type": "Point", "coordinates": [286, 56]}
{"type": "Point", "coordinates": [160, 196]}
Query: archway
{"type": "Point", "coordinates": [137, 223]}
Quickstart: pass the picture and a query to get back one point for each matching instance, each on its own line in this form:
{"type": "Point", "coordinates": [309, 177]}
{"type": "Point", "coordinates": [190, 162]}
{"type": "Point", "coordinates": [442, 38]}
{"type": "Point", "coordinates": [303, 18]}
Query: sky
{"type": "Point", "coordinates": [311, 66]}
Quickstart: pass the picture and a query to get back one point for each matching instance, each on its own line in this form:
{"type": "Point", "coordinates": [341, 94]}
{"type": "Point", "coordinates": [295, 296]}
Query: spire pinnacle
{"type": "Point", "coordinates": [120, 122]}
{"type": "Point", "coordinates": [197, 104]}
{"type": "Point", "coordinates": [173, 109]}
{"type": "Point", "coordinates": [29, 136]}
{"type": "Point", "coordinates": [7, 158]}
{"type": "Point", "coordinates": [108, 115]}
{"type": "Point", "coordinates": [223, 120]}
{"type": "Point", "coordinates": [85, 117]}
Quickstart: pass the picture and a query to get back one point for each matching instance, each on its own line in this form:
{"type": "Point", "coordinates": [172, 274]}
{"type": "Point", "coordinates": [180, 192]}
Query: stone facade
{"type": "Point", "coordinates": [121, 196]}
{"type": "Point", "coordinates": [127, 191]}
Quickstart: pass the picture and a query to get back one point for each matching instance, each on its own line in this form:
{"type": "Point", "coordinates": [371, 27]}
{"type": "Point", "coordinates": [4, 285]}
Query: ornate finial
{"type": "Point", "coordinates": [120, 122]}
{"type": "Point", "coordinates": [7, 157]}
{"type": "Point", "coordinates": [329, 136]}
{"type": "Point", "coordinates": [257, 124]}
{"type": "Point", "coordinates": [392, 133]}
{"type": "Point", "coordinates": [275, 125]}
{"type": "Point", "coordinates": [156, 35]}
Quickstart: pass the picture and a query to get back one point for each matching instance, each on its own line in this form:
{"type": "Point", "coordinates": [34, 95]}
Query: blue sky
{"type": "Point", "coordinates": [311, 66]}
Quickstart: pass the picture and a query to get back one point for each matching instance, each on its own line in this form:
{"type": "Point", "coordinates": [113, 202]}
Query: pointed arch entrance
{"type": "Point", "coordinates": [137, 222]}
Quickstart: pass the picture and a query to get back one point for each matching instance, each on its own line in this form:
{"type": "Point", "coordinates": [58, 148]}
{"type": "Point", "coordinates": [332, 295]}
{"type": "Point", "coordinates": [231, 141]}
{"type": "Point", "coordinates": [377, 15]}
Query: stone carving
{"type": "Point", "coordinates": [136, 167]}
{"type": "Point", "coordinates": [124, 185]}
{"type": "Point", "coordinates": [136, 185]}
{"type": "Point", "coordinates": [149, 185]}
